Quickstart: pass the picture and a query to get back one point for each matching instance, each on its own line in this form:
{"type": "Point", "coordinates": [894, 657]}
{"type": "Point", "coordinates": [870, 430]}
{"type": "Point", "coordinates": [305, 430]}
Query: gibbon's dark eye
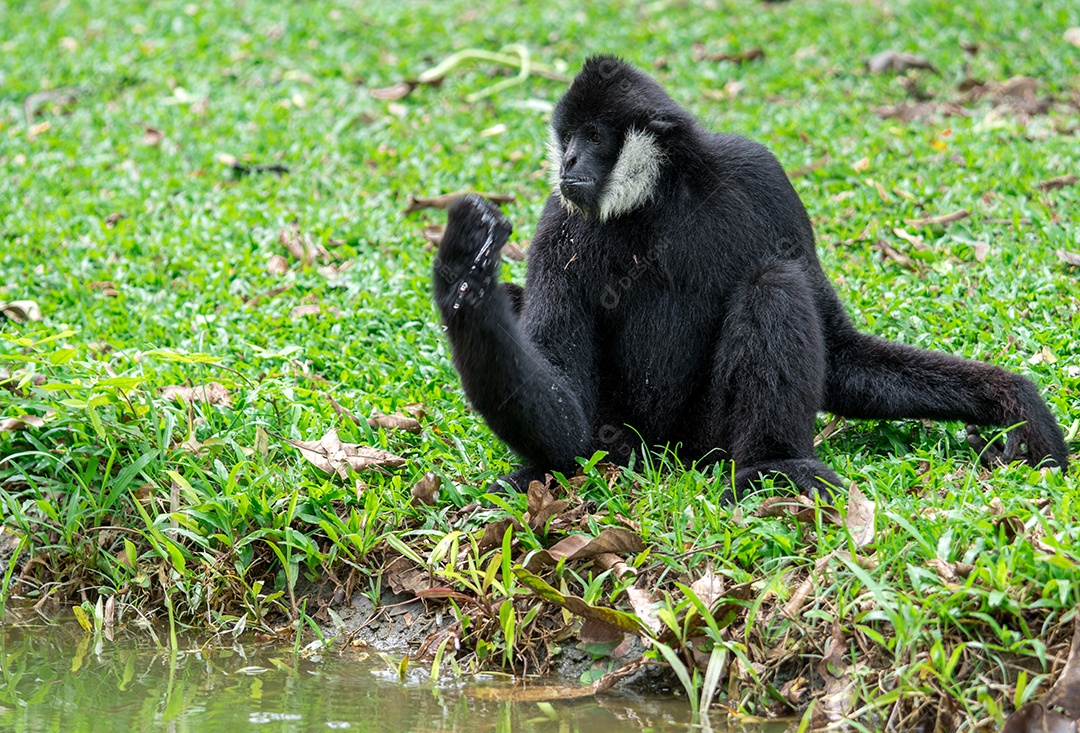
{"type": "Point", "coordinates": [595, 137]}
{"type": "Point", "coordinates": [566, 137]}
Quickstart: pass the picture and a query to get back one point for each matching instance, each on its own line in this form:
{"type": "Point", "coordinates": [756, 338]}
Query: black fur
{"type": "Point", "coordinates": [699, 318]}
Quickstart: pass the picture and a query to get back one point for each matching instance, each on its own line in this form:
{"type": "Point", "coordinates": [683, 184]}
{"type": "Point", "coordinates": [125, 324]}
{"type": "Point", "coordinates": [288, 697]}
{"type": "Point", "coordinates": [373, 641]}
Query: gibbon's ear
{"type": "Point", "coordinates": [661, 126]}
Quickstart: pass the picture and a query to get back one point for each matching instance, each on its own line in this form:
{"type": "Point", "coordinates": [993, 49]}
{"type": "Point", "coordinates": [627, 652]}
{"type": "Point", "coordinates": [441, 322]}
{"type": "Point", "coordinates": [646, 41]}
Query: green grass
{"type": "Point", "coordinates": [106, 500]}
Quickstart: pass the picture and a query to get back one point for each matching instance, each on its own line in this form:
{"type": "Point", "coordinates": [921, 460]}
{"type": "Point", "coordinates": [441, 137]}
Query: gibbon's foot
{"type": "Point", "coordinates": [517, 480]}
{"type": "Point", "coordinates": [1005, 447]}
{"type": "Point", "coordinates": [806, 475]}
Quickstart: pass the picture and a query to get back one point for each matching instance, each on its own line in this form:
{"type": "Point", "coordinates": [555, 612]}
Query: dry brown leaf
{"type": "Point", "coordinates": [938, 220]}
{"type": "Point", "coordinates": [329, 454]}
{"type": "Point", "coordinates": [433, 234]}
{"type": "Point", "coordinates": [445, 199]}
{"type": "Point", "coordinates": [1069, 258]}
{"type": "Point", "coordinates": [896, 62]}
{"type": "Point", "coordinates": [645, 606]}
{"type": "Point", "coordinates": [542, 506]}
{"type": "Point", "coordinates": [981, 250]}
{"type": "Point", "coordinates": [1059, 710]}
{"type": "Point", "coordinates": [212, 393]}
{"type": "Point", "coordinates": [14, 424]}
{"type": "Point", "coordinates": [151, 137]}
{"type": "Point", "coordinates": [403, 576]}
{"type": "Point", "coordinates": [568, 547]}
{"type": "Point", "coordinates": [611, 539]}
{"type": "Point", "coordinates": [911, 239]}
{"type": "Point", "coordinates": [513, 251]}
{"type": "Point", "coordinates": [708, 588]}
{"type": "Point", "coordinates": [21, 311]}
{"type": "Point", "coordinates": [839, 693]}
{"type": "Point", "coordinates": [543, 693]}
{"type": "Point", "coordinates": [610, 561]}
{"type": "Point", "coordinates": [860, 518]}
{"type": "Point", "coordinates": [301, 247]}
{"type": "Point", "coordinates": [423, 493]}
{"type": "Point", "coordinates": [1072, 35]}
{"type": "Point", "coordinates": [394, 92]}
{"type": "Point", "coordinates": [494, 533]}
{"type": "Point", "coordinates": [277, 265]}
{"type": "Point", "coordinates": [1052, 184]}
{"type": "Point", "coordinates": [888, 253]}
{"type": "Point", "coordinates": [301, 311]}
{"type": "Point", "coordinates": [395, 422]}
{"type": "Point", "coordinates": [742, 57]}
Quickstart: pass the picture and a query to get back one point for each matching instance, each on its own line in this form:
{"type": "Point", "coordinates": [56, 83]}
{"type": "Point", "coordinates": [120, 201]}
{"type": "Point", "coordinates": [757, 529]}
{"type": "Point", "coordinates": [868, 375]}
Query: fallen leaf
{"type": "Point", "coordinates": [896, 62]}
{"type": "Point", "coordinates": [1072, 35]}
{"type": "Point", "coordinates": [839, 693]}
{"type": "Point", "coordinates": [151, 137]}
{"type": "Point", "coordinates": [936, 220]}
{"type": "Point", "coordinates": [395, 422]}
{"type": "Point", "coordinates": [494, 533]}
{"type": "Point", "coordinates": [981, 249]}
{"type": "Point", "coordinates": [212, 393]}
{"type": "Point", "coordinates": [1059, 709]}
{"type": "Point", "coordinates": [394, 92]}
{"type": "Point", "coordinates": [15, 424]}
{"type": "Point", "coordinates": [1069, 258]}
{"type": "Point", "coordinates": [512, 251]}
{"type": "Point", "coordinates": [277, 265]}
{"type": "Point", "coordinates": [433, 233]}
{"type": "Point", "coordinates": [742, 57]}
{"type": "Point", "coordinates": [301, 247]}
{"type": "Point", "coordinates": [305, 310]}
{"type": "Point", "coordinates": [416, 203]}
{"type": "Point", "coordinates": [423, 493]}
{"type": "Point", "coordinates": [21, 311]}
{"type": "Point", "coordinates": [645, 607]}
{"type": "Point", "coordinates": [612, 539]}
{"type": "Point", "coordinates": [888, 253]}
{"type": "Point", "coordinates": [403, 576]}
{"type": "Point", "coordinates": [911, 239]}
{"type": "Point", "coordinates": [545, 693]}
{"type": "Point", "coordinates": [1052, 184]}
{"type": "Point", "coordinates": [859, 519]}
{"type": "Point", "coordinates": [708, 588]}
{"type": "Point", "coordinates": [330, 455]}
{"type": "Point", "coordinates": [542, 506]}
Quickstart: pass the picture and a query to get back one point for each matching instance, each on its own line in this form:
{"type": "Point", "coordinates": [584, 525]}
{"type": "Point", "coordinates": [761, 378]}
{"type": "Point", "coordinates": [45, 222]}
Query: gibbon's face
{"type": "Point", "coordinates": [601, 171]}
{"type": "Point", "coordinates": [586, 155]}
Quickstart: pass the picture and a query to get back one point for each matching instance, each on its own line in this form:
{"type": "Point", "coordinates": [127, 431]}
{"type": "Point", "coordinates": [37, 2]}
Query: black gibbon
{"type": "Point", "coordinates": [674, 296]}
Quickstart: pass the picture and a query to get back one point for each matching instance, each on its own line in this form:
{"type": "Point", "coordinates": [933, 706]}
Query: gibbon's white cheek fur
{"type": "Point", "coordinates": [633, 179]}
{"type": "Point", "coordinates": [631, 182]}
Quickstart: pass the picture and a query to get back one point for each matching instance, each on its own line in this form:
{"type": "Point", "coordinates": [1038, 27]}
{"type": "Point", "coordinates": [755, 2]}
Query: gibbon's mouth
{"type": "Point", "coordinates": [575, 181]}
{"type": "Point", "coordinates": [580, 191]}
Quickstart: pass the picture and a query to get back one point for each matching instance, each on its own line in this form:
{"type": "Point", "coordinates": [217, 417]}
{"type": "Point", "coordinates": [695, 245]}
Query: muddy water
{"type": "Point", "coordinates": [63, 680]}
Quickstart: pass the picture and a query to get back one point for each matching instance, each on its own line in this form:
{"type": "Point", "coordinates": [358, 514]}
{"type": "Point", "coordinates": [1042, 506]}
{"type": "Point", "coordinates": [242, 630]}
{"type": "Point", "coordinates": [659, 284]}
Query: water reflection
{"type": "Point", "coordinates": [61, 680]}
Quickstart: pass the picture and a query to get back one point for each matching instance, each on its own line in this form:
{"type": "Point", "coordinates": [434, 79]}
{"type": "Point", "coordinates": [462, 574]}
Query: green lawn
{"type": "Point", "coordinates": [131, 213]}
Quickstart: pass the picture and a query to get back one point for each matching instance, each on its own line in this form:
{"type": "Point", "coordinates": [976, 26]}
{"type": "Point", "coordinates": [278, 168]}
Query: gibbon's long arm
{"type": "Point", "coordinates": [543, 410]}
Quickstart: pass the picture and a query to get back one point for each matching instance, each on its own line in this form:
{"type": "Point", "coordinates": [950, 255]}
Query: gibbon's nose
{"type": "Point", "coordinates": [570, 158]}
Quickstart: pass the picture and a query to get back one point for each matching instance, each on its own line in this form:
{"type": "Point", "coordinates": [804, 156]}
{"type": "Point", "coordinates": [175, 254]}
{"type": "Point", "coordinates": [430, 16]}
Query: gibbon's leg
{"type": "Point", "coordinates": [539, 409]}
{"type": "Point", "coordinates": [869, 377]}
{"type": "Point", "coordinates": [768, 379]}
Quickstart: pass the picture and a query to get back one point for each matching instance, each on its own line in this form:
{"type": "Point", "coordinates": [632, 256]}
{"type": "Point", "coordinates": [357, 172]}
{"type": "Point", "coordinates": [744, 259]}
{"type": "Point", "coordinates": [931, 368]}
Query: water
{"type": "Point", "coordinates": [64, 681]}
